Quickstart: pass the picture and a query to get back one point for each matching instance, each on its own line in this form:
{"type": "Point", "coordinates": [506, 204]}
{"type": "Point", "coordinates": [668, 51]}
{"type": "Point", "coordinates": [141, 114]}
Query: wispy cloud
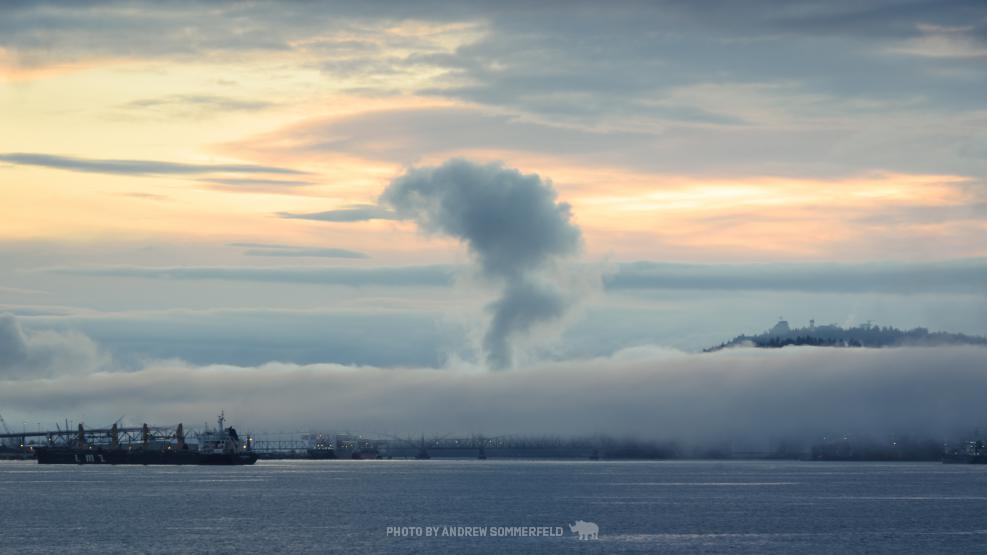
{"type": "Point", "coordinates": [145, 196]}
{"type": "Point", "coordinates": [289, 251]}
{"type": "Point", "coordinates": [416, 132]}
{"type": "Point", "coordinates": [197, 104]}
{"type": "Point", "coordinates": [250, 245]}
{"type": "Point", "coordinates": [396, 276]}
{"type": "Point", "coordinates": [352, 213]}
{"type": "Point", "coordinates": [135, 167]}
{"type": "Point", "coordinates": [312, 252]}
{"type": "Point", "coordinates": [948, 42]}
{"type": "Point", "coordinates": [251, 182]}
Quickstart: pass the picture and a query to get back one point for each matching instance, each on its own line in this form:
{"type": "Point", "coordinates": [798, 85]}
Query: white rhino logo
{"type": "Point", "coordinates": [586, 530]}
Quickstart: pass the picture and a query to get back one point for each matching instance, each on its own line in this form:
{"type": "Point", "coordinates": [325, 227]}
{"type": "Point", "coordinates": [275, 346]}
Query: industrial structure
{"type": "Point", "coordinates": [129, 445]}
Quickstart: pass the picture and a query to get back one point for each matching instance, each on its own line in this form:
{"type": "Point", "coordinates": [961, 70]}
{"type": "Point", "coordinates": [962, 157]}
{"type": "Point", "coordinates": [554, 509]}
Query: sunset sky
{"type": "Point", "coordinates": [677, 131]}
{"type": "Point", "coordinates": [202, 181]}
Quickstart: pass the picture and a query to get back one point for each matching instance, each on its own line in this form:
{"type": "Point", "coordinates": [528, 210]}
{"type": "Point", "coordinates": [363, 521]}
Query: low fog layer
{"type": "Point", "coordinates": [740, 395]}
{"type": "Point", "coordinates": [45, 353]}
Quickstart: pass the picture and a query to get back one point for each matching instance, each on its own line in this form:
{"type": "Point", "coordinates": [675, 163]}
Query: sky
{"type": "Point", "coordinates": [474, 187]}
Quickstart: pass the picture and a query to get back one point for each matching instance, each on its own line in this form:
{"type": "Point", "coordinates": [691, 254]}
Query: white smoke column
{"type": "Point", "coordinates": [513, 227]}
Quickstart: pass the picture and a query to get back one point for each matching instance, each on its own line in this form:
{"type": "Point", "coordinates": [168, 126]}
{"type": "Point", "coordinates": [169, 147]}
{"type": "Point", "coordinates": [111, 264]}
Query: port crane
{"type": "Point", "coordinates": [6, 430]}
{"type": "Point", "coordinates": [422, 446]}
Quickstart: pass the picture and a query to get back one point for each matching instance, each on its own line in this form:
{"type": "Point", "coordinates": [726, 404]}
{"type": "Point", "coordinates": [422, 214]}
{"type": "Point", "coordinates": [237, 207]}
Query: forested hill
{"type": "Point", "coordinates": [865, 335]}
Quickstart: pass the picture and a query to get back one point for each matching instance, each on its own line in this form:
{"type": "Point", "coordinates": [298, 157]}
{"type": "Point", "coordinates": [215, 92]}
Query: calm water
{"type": "Point", "coordinates": [322, 506]}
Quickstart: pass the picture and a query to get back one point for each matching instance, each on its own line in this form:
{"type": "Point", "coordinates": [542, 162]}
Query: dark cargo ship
{"type": "Point", "coordinates": [971, 452]}
{"type": "Point", "coordinates": [221, 446]}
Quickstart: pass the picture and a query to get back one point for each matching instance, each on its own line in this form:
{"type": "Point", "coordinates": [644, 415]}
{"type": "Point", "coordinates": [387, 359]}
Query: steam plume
{"type": "Point", "coordinates": [514, 228]}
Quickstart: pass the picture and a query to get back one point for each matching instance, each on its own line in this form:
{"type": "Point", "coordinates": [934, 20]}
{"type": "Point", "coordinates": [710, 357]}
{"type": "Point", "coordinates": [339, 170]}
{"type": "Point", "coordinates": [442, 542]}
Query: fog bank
{"type": "Point", "coordinates": [735, 395]}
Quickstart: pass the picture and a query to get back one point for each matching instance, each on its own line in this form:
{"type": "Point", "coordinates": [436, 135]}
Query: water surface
{"type": "Point", "coordinates": [325, 506]}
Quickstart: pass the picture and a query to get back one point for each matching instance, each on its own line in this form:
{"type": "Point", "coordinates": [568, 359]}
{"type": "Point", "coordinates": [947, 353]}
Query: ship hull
{"type": "Point", "coordinates": [321, 454]}
{"type": "Point", "coordinates": [964, 459]}
{"type": "Point", "coordinates": [124, 456]}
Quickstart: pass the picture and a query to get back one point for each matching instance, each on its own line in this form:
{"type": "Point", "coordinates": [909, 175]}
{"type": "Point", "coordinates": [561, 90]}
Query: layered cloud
{"type": "Point", "coordinates": [356, 277]}
{"type": "Point", "coordinates": [374, 336]}
{"type": "Point", "coordinates": [802, 82]}
{"type": "Point", "coordinates": [966, 276]}
{"type": "Point", "coordinates": [618, 103]}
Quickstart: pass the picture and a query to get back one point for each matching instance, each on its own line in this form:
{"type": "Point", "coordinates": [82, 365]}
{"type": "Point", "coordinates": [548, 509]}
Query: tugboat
{"type": "Point", "coordinates": [222, 446]}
